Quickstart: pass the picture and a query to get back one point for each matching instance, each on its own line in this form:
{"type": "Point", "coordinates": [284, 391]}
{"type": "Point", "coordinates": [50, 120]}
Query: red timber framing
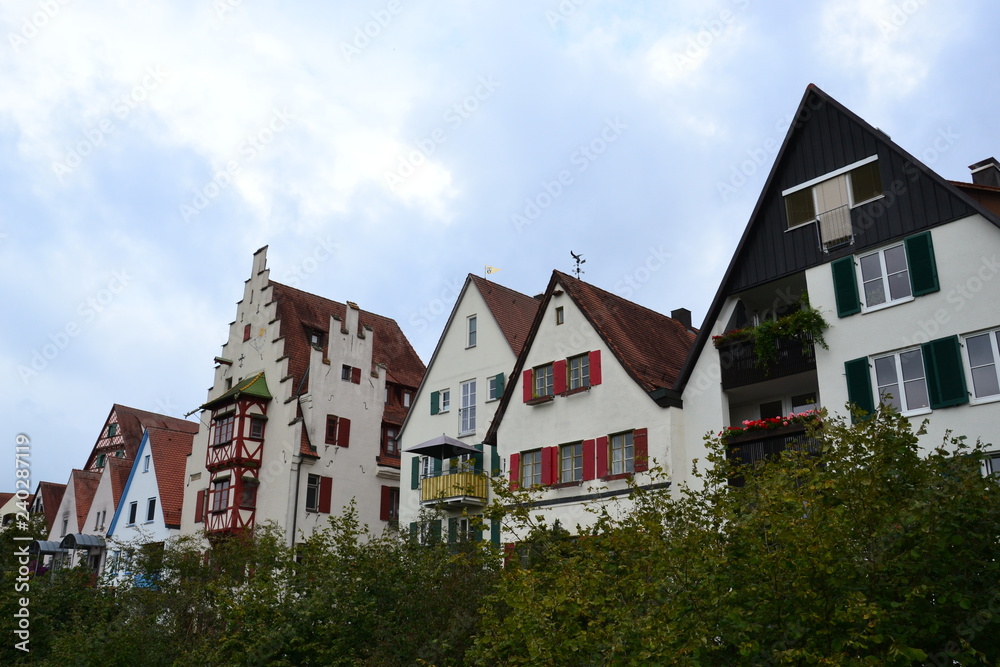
{"type": "Point", "coordinates": [231, 501]}
{"type": "Point", "coordinates": [231, 443]}
{"type": "Point", "coordinates": [236, 446]}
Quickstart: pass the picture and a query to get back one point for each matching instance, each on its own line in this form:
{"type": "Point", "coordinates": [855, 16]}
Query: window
{"type": "Point", "coordinates": [560, 316]}
{"type": "Point", "coordinates": [389, 510]}
{"type": "Point", "coordinates": [150, 509]}
{"type": "Point", "coordinates": [571, 462]}
{"type": "Point", "coordinates": [495, 387]}
{"type": "Point", "coordinates": [338, 431]}
{"type": "Point", "coordinates": [246, 333]}
{"type": "Point", "coordinates": [315, 338]}
{"type": "Point", "coordinates": [847, 187]}
{"type": "Point", "coordinates": [100, 461]}
{"type": "Point", "coordinates": [223, 429]}
{"type": "Point", "coordinates": [531, 468]}
{"type": "Point", "coordinates": [406, 399]}
{"type": "Point", "coordinates": [257, 428]}
{"type": "Point", "coordinates": [621, 455]}
{"type": "Point", "coordinates": [145, 463]}
{"type": "Point", "coordinates": [112, 430]}
{"type": "Point", "coordinates": [248, 493]}
{"type": "Point", "coordinates": [390, 444]}
{"type": "Point", "coordinates": [771, 409]}
{"type": "Point", "coordinates": [133, 509]}
{"type": "Point", "coordinates": [983, 353]}
{"type": "Point", "coordinates": [901, 381]}
{"type": "Point", "coordinates": [312, 493]}
{"type": "Point", "coordinates": [467, 413]}
{"type": "Point", "coordinates": [345, 373]}
{"type": "Point", "coordinates": [543, 381]}
{"type": "Point", "coordinates": [579, 372]}
{"type": "Point", "coordinates": [803, 402]}
{"type": "Point", "coordinates": [991, 463]}
{"type": "Point", "coordinates": [471, 341]}
{"type": "Point", "coordinates": [331, 430]}
{"type": "Point", "coordinates": [445, 400]}
{"type": "Point", "coordinates": [885, 277]}
{"type": "Point", "coordinates": [426, 467]}
{"type": "Point", "coordinates": [220, 495]}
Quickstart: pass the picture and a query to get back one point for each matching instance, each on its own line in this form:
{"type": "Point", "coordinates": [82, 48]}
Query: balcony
{"type": "Point", "coordinates": [455, 488]}
{"type": "Point", "coordinates": [758, 446]}
{"type": "Point", "coordinates": [236, 452]}
{"type": "Point", "coordinates": [740, 365]}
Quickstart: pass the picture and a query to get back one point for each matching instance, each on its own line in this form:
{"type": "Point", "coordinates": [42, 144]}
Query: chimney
{"type": "Point", "coordinates": [682, 315]}
{"type": "Point", "coordinates": [986, 172]}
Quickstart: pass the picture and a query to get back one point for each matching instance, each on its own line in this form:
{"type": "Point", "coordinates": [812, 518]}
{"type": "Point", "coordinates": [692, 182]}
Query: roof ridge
{"type": "Point", "coordinates": [616, 296]}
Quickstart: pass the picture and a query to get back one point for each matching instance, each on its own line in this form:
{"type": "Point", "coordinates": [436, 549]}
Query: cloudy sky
{"type": "Point", "coordinates": [387, 148]}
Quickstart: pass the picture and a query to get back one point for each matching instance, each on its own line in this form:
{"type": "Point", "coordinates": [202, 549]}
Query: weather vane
{"type": "Point", "coordinates": [578, 269]}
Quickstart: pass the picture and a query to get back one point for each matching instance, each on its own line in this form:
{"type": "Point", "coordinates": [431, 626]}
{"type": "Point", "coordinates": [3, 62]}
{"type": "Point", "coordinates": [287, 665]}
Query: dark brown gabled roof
{"type": "Point", "coordinates": [299, 311]}
{"type": "Point", "coordinates": [131, 423]}
{"type": "Point", "coordinates": [987, 195]}
{"type": "Point", "coordinates": [513, 311]}
{"type": "Point", "coordinates": [170, 450]}
{"type": "Point", "coordinates": [51, 496]}
{"type": "Point", "coordinates": [84, 487]}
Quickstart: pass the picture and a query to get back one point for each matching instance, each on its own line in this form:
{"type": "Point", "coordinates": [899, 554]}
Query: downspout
{"type": "Point", "coordinates": [298, 471]}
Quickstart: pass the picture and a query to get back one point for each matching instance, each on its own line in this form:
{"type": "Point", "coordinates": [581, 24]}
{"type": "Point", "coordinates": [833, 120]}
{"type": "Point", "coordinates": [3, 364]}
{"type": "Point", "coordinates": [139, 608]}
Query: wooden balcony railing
{"type": "Point", "coordinates": [741, 367]}
{"type": "Point", "coordinates": [460, 488]}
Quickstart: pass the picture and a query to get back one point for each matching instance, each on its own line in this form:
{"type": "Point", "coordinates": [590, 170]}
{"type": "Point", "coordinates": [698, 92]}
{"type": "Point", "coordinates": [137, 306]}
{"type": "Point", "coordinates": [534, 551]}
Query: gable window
{"type": "Point", "coordinates": [571, 462]}
{"type": "Point", "coordinates": [246, 333]}
{"type": "Point", "coordinates": [842, 189]}
{"type": "Point", "coordinates": [99, 463]}
{"type": "Point", "coordinates": [495, 387]}
{"type": "Point", "coordinates": [621, 455]}
{"type": "Point", "coordinates": [579, 372]}
{"type": "Point", "coordinates": [531, 468]}
{"type": "Point", "coordinates": [257, 428]}
{"type": "Point", "coordinates": [471, 340]}
{"type": "Point", "coordinates": [560, 315]}
{"type": "Point", "coordinates": [315, 338]}
{"type": "Point", "coordinates": [901, 381]}
{"type": "Point", "coordinates": [406, 399]}
{"type": "Point", "coordinates": [150, 509]}
{"type": "Point", "coordinates": [544, 381]}
{"type": "Point", "coordinates": [983, 355]}
{"type": "Point", "coordinates": [112, 430]}
{"type": "Point", "coordinates": [885, 277]}
{"type": "Point", "coordinates": [145, 463]}
{"type": "Point", "coordinates": [220, 495]}
{"type": "Point", "coordinates": [223, 429]}
{"type": "Point", "coordinates": [133, 509]}
{"type": "Point", "coordinates": [467, 413]}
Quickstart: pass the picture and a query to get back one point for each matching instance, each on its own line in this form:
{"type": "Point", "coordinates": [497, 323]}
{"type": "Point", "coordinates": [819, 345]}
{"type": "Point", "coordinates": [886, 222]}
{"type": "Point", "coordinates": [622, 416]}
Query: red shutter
{"type": "Point", "coordinates": [515, 471]}
{"type": "Point", "coordinates": [246, 333]}
{"type": "Point", "coordinates": [386, 506]}
{"type": "Point", "coordinates": [344, 432]}
{"type": "Point", "coordinates": [325, 491]}
{"type": "Point", "coordinates": [602, 456]}
{"type": "Point", "coordinates": [559, 376]}
{"type": "Point", "coordinates": [640, 451]}
{"type": "Point", "coordinates": [547, 466]}
{"type": "Point", "coordinates": [595, 368]}
{"type": "Point", "coordinates": [526, 388]}
{"type": "Point", "coordinates": [356, 375]}
{"type": "Point", "coordinates": [588, 459]}
{"type": "Point", "coordinates": [199, 507]}
{"type": "Point", "coordinates": [509, 554]}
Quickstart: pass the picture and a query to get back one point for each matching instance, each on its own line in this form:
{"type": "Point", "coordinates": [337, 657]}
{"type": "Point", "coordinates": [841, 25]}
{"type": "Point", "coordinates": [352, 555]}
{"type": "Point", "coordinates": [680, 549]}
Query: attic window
{"type": "Point", "coordinates": [560, 316]}
{"type": "Point", "coordinates": [830, 198]}
{"type": "Point", "coordinates": [316, 338]}
{"type": "Point", "coordinates": [112, 430]}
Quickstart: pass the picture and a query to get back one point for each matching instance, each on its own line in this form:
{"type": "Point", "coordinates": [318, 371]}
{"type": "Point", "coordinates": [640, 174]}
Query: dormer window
{"type": "Point", "coordinates": [316, 338]}
{"type": "Point", "coordinates": [830, 198]}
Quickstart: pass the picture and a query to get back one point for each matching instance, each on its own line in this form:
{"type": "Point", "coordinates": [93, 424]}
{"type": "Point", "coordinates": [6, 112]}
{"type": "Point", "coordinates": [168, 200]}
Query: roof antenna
{"type": "Point", "coordinates": [578, 269]}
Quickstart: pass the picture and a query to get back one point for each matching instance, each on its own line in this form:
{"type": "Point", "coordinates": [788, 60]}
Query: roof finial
{"type": "Point", "coordinates": [578, 269]}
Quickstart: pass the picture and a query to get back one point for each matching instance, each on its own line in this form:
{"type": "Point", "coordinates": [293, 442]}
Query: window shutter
{"type": "Point", "coordinates": [325, 491]}
{"type": "Point", "coordinates": [559, 376]}
{"type": "Point", "coordinates": [385, 507]}
{"type": "Point", "coordinates": [547, 465]}
{"type": "Point", "coordinates": [199, 507]}
{"type": "Point", "coordinates": [499, 383]}
{"type": "Point", "coordinates": [595, 368]}
{"type": "Point", "coordinates": [602, 456]}
{"type": "Point", "coordinates": [515, 471]}
{"type": "Point", "coordinates": [356, 375]}
{"type": "Point", "coordinates": [920, 260]}
{"type": "Point", "coordinates": [526, 389]}
{"type": "Point", "coordinates": [945, 372]}
{"type": "Point", "coordinates": [246, 333]}
{"type": "Point", "coordinates": [495, 532]}
{"type": "Point", "coordinates": [452, 530]}
{"type": "Point", "coordinates": [437, 466]}
{"type": "Point", "coordinates": [494, 461]}
{"type": "Point", "coordinates": [477, 534]}
{"type": "Point", "coordinates": [435, 532]}
{"type": "Point", "coordinates": [415, 473]}
{"type": "Point", "coordinates": [845, 287]}
{"type": "Point", "coordinates": [478, 458]}
{"type": "Point", "coordinates": [640, 450]}
{"type": "Point", "coordinates": [344, 432]}
{"type": "Point", "coordinates": [588, 459]}
{"type": "Point", "coordinates": [859, 384]}
{"type": "Point", "coordinates": [435, 402]}
{"type": "Point", "coordinates": [413, 530]}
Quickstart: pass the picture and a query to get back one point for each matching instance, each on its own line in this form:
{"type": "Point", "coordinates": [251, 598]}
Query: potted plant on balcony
{"type": "Point", "coordinates": [806, 324]}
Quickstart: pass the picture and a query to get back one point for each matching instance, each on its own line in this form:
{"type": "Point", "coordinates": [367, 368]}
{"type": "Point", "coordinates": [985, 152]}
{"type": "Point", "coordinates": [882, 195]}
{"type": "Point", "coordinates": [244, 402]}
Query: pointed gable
{"type": "Point", "coordinates": [169, 450]}
{"type": "Point", "coordinates": [513, 311]}
{"type": "Point", "coordinates": [49, 495]}
{"type": "Point", "coordinates": [84, 485]}
{"type": "Point", "coordinates": [122, 431]}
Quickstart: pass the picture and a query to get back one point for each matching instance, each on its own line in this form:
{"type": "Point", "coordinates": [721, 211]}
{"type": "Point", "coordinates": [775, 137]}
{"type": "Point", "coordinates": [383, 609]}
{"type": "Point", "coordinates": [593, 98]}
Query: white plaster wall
{"type": "Point", "coordinates": [141, 487]}
{"type": "Point", "coordinates": [967, 253]}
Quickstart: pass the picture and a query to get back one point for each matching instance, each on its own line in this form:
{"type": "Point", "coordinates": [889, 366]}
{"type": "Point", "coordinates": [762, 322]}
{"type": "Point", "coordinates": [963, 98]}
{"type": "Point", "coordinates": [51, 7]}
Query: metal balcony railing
{"type": "Point", "coordinates": [740, 366]}
{"type": "Point", "coordinates": [757, 447]}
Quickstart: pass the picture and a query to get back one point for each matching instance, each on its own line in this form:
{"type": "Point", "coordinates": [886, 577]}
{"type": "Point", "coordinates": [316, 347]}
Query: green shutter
{"type": "Point", "coordinates": [435, 402]}
{"type": "Point", "coordinates": [435, 532]}
{"type": "Point", "coordinates": [920, 261]}
{"type": "Point", "coordinates": [494, 460]}
{"type": "Point", "coordinates": [452, 530]}
{"type": "Point", "coordinates": [499, 378]}
{"type": "Point", "coordinates": [495, 532]}
{"type": "Point", "coordinates": [413, 530]}
{"type": "Point", "coordinates": [477, 529]}
{"type": "Point", "coordinates": [945, 373]}
{"type": "Point", "coordinates": [415, 473]}
{"type": "Point", "coordinates": [478, 458]}
{"type": "Point", "coordinates": [859, 384]}
{"type": "Point", "coordinates": [845, 287]}
{"type": "Point", "coordinates": [437, 466]}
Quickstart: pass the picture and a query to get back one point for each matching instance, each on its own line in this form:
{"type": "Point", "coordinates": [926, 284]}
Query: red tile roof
{"type": "Point", "coordinates": [299, 311]}
{"type": "Point", "coordinates": [170, 450]}
{"type": "Point", "coordinates": [650, 346]}
{"type": "Point", "coordinates": [51, 495]}
{"type": "Point", "coordinates": [84, 487]}
{"type": "Point", "coordinates": [119, 469]}
{"type": "Point", "coordinates": [513, 311]}
{"type": "Point", "coordinates": [4, 497]}
{"type": "Point", "coordinates": [131, 423]}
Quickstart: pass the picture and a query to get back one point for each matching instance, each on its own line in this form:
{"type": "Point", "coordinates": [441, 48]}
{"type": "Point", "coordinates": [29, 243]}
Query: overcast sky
{"type": "Point", "coordinates": [387, 148]}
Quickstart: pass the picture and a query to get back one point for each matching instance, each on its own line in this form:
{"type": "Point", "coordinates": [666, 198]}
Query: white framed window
{"type": "Point", "coordinates": [471, 339]}
{"type": "Point", "coordinates": [133, 509]}
{"type": "Point", "coordinates": [884, 277]}
{"type": "Point", "coordinates": [991, 463]}
{"type": "Point", "coordinates": [467, 413]}
{"type": "Point", "coordinates": [495, 387]}
{"type": "Point", "coordinates": [621, 457]}
{"type": "Point", "coordinates": [406, 399]}
{"type": "Point", "coordinates": [312, 493]}
{"type": "Point", "coordinates": [150, 509]}
{"type": "Point", "coordinates": [902, 381]}
{"type": "Point", "coordinates": [571, 462]}
{"type": "Point", "coordinates": [220, 494]}
{"type": "Point", "coordinates": [445, 400]}
{"type": "Point", "coordinates": [982, 352]}
{"type": "Point", "coordinates": [145, 463]}
{"type": "Point", "coordinates": [544, 381]}
{"type": "Point", "coordinates": [531, 468]}
{"type": "Point", "coordinates": [426, 467]}
{"type": "Point", "coordinates": [579, 371]}
{"type": "Point", "coordinates": [560, 315]}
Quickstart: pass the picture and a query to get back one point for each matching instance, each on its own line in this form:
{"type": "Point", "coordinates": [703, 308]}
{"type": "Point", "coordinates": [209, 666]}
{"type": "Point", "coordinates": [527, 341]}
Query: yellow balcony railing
{"type": "Point", "coordinates": [471, 487]}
